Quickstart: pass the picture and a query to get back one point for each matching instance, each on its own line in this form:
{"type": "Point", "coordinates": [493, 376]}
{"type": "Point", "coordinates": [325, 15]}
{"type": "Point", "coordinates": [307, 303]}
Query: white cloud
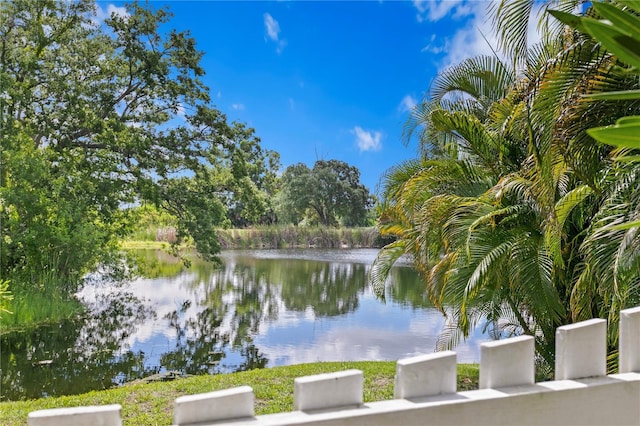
{"type": "Point", "coordinates": [475, 36]}
{"type": "Point", "coordinates": [434, 10]}
{"type": "Point", "coordinates": [473, 39]}
{"type": "Point", "coordinates": [407, 103]}
{"type": "Point", "coordinates": [273, 32]}
{"type": "Point", "coordinates": [272, 27]}
{"type": "Point", "coordinates": [367, 140]}
{"type": "Point", "coordinates": [469, 37]}
{"type": "Point", "coordinates": [292, 104]}
{"type": "Point", "coordinates": [112, 9]}
{"type": "Point", "coordinates": [238, 107]}
{"type": "Point", "coordinates": [435, 46]}
{"type": "Point", "coordinates": [117, 10]}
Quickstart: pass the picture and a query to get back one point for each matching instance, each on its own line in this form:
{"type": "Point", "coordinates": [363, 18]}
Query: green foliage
{"type": "Point", "coordinates": [96, 116]}
{"type": "Point", "coordinates": [625, 133]}
{"type": "Point", "coordinates": [156, 263]}
{"type": "Point", "coordinates": [612, 245]}
{"type": "Point", "coordinates": [329, 194]}
{"type": "Point", "coordinates": [30, 308]}
{"type": "Point", "coordinates": [619, 33]}
{"type": "Point", "coordinates": [511, 21]}
{"type": "Point", "coordinates": [145, 404]}
{"type": "Point", "coordinates": [290, 236]}
{"type": "Point", "coordinates": [514, 216]}
{"type": "Point", "coordinates": [255, 180]}
{"type": "Point", "coordinates": [5, 298]}
{"type": "Point", "coordinates": [149, 222]}
{"type": "Point", "coordinates": [49, 222]}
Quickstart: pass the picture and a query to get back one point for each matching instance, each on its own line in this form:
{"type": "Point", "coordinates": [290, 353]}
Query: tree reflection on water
{"type": "Point", "coordinates": [74, 356]}
{"type": "Point", "coordinates": [205, 321]}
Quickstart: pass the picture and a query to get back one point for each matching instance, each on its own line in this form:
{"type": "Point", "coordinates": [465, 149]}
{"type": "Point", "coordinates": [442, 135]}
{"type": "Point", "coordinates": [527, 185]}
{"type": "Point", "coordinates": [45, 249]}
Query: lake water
{"type": "Point", "coordinates": [264, 308]}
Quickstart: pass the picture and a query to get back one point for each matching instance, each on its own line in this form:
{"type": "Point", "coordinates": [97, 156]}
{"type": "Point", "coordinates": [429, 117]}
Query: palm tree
{"type": "Point", "coordinates": [611, 249]}
{"type": "Point", "coordinates": [443, 210]}
{"type": "Point", "coordinates": [504, 213]}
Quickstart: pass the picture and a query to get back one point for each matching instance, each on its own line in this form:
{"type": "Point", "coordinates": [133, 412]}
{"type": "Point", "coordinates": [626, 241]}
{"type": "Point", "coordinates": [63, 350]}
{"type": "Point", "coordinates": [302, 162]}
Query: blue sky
{"type": "Point", "coordinates": [328, 79]}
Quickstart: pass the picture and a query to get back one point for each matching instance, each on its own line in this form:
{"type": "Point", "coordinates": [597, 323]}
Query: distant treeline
{"type": "Point", "coordinates": [289, 236]}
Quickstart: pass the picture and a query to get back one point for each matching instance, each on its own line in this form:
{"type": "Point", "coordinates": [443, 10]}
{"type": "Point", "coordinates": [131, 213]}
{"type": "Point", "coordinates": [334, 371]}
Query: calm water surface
{"type": "Point", "coordinates": [262, 309]}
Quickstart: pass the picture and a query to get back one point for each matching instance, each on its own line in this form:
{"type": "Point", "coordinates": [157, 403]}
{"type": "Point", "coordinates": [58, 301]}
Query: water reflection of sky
{"type": "Point", "coordinates": [372, 331]}
{"type": "Point", "coordinates": [263, 308]}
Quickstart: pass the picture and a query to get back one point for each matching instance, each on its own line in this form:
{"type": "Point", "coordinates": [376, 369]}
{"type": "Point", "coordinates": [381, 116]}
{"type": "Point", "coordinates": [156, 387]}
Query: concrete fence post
{"type": "Point", "coordinates": [329, 390]}
{"type": "Point", "coordinates": [581, 350]}
{"type": "Point", "coordinates": [630, 340]}
{"type": "Point", "coordinates": [508, 362]}
{"type": "Point", "coordinates": [103, 415]}
{"type": "Point", "coordinates": [426, 375]}
{"type": "Point", "coordinates": [214, 406]}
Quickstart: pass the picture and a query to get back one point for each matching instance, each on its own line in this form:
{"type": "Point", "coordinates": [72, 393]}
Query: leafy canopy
{"type": "Point", "coordinates": [97, 116]}
{"type": "Point", "coordinates": [330, 193]}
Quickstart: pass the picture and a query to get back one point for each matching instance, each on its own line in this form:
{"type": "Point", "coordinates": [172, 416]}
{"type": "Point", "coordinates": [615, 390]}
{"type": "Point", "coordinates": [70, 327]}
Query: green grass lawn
{"type": "Point", "coordinates": [152, 403]}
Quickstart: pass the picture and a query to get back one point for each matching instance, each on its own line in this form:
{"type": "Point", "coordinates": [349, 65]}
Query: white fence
{"type": "Point", "coordinates": [425, 390]}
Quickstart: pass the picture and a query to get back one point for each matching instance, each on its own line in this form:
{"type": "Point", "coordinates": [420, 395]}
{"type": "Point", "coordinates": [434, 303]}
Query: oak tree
{"type": "Point", "coordinates": [330, 193]}
{"type": "Point", "coordinates": [100, 114]}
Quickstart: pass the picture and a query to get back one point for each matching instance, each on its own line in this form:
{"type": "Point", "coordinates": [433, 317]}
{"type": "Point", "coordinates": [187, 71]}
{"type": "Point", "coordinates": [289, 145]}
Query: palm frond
{"type": "Point", "coordinates": [381, 267]}
{"type": "Point", "coordinates": [554, 233]}
{"type": "Point", "coordinates": [511, 20]}
{"type": "Point", "coordinates": [482, 79]}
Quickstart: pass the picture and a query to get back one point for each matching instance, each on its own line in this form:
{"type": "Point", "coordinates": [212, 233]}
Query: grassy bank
{"type": "Point", "coordinates": [289, 236]}
{"type": "Point", "coordinates": [36, 307]}
{"type": "Point", "coordinates": [152, 403]}
{"type": "Point", "coordinates": [43, 298]}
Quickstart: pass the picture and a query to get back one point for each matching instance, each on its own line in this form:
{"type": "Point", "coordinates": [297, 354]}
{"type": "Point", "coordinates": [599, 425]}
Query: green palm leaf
{"type": "Point", "coordinates": [382, 265]}
{"type": "Point", "coordinates": [616, 41]}
{"type": "Point", "coordinates": [625, 133]}
{"type": "Point", "coordinates": [620, 95]}
{"type": "Point", "coordinates": [622, 21]}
